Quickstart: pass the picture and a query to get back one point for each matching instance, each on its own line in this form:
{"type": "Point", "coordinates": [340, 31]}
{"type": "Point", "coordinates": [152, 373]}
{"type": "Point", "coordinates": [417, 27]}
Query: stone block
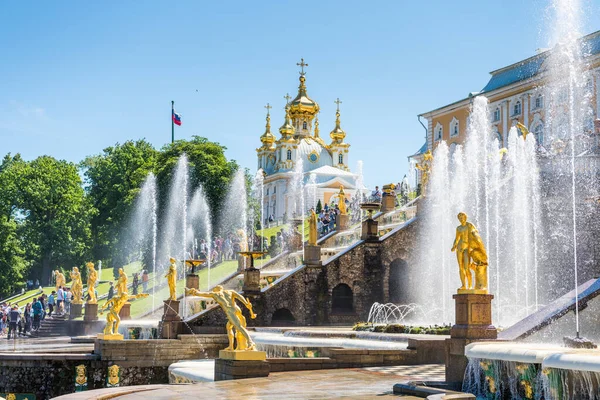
{"type": "Point", "coordinates": [171, 310]}
{"type": "Point", "coordinates": [75, 310]}
{"type": "Point", "coordinates": [192, 281]}
{"type": "Point", "coordinates": [125, 312]}
{"type": "Point", "coordinates": [342, 222]}
{"type": "Point", "coordinates": [240, 369]}
{"type": "Point", "coordinates": [388, 203]}
{"type": "Point", "coordinates": [251, 281]}
{"type": "Point", "coordinates": [91, 312]}
{"type": "Point", "coordinates": [247, 355]}
{"type": "Point", "coordinates": [312, 255]}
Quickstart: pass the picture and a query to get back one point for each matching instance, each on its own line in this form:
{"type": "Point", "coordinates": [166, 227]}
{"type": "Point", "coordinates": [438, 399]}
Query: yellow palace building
{"type": "Point", "coordinates": [515, 94]}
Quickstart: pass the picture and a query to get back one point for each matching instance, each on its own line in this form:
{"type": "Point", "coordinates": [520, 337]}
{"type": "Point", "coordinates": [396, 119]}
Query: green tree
{"type": "Point", "coordinates": [12, 264]}
{"type": "Point", "coordinates": [113, 180]}
{"type": "Point", "coordinates": [55, 215]}
{"type": "Point", "coordinates": [319, 207]}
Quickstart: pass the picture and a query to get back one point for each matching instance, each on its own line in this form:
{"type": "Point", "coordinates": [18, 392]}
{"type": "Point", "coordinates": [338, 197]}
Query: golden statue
{"type": "Point", "coordinates": [389, 189]}
{"type": "Point", "coordinates": [122, 282]}
{"type": "Point", "coordinates": [425, 168]}
{"type": "Point", "coordinates": [172, 279]}
{"type": "Point", "coordinates": [76, 286]}
{"type": "Point", "coordinates": [114, 305]}
{"type": "Point", "coordinates": [523, 129]}
{"type": "Point", "coordinates": [59, 279]}
{"type": "Point", "coordinates": [243, 240]}
{"type": "Point", "coordinates": [342, 201]}
{"type": "Point", "coordinates": [226, 299]}
{"type": "Point", "coordinates": [312, 228]}
{"type": "Point", "coordinates": [91, 283]}
{"type": "Point", "coordinates": [471, 254]}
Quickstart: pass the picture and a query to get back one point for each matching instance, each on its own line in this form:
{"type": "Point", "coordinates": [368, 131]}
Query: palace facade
{"type": "Point", "coordinates": [515, 94]}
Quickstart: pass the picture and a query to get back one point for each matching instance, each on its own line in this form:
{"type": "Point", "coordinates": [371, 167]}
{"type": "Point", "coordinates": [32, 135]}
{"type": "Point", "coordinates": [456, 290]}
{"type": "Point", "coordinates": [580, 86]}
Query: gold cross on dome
{"type": "Point", "coordinates": [287, 98]}
{"type": "Point", "coordinates": [268, 107]}
{"type": "Point", "coordinates": [302, 64]}
{"type": "Point", "coordinates": [338, 102]}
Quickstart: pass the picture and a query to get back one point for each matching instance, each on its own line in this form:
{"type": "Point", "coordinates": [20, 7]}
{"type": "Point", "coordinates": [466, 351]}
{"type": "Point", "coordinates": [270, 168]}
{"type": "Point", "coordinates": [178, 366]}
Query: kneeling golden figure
{"type": "Point", "coordinates": [227, 300]}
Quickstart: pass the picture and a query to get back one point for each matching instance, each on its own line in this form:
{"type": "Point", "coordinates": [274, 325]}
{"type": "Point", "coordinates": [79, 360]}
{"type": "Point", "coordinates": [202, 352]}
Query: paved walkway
{"type": "Point", "coordinates": [366, 383]}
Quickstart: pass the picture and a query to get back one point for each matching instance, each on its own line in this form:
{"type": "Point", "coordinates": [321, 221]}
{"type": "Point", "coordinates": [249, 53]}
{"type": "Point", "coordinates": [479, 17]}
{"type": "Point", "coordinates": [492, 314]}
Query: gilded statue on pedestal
{"type": "Point", "coordinates": [471, 255]}
{"type": "Point", "coordinates": [227, 300]}
{"type": "Point", "coordinates": [113, 306]}
{"type": "Point", "coordinates": [312, 228]}
{"type": "Point", "coordinates": [59, 279]}
{"type": "Point", "coordinates": [342, 201]}
{"type": "Point", "coordinates": [91, 283]}
{"type": "Point", "coordinates": [76, 286]}
{"type": "Point", "coordinates": [172, 279]}
{"type": "Point", "coordinates": [425, 168]}
{"type": "Point", "coordinates": [122, 282]}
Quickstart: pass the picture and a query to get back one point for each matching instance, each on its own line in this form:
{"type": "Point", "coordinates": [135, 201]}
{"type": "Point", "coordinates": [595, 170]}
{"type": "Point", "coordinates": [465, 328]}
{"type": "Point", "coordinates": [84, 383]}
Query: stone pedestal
{"type": "Point", "coordinates": [170, 325]}
{"type": "Point", "coordinates": [91, 312]}
{"type": "Point", "coordinates": [228, 369]}
{"type": "Point", "coordinates": [312, 255]}
{"type": "Point", "coordinates": [251, 281]}
{"type": "Point", "coordinates": [473, 323]}
{"type": "Point", "coordinates": [75, 310]}
{"type": "Point", "coordinates": [370, 230]}
{"type": "Point", "coordinates": [192, 281]}
{"type": "Point", "coordinates": [342, 222]}
{"type": "Point", "coordinates": [388, 203]}
{"type": "Point", "coordinates": [115, 336]}
{"type": "Point", "coordinates": [125, 312]}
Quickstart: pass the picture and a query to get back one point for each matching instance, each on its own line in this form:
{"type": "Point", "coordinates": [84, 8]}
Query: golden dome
{"type": "Point", "coordinates": [337, 134]}
{"type": "Point", "coordinates": [287, 129]}
{"type": "Point", "coordinates": [267, 138]}
{"type": "Point", "coordinates": [302, 105]}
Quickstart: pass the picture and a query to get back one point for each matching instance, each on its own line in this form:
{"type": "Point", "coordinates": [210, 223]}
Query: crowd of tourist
{"type": "Point", "coordinates": [21, 321]}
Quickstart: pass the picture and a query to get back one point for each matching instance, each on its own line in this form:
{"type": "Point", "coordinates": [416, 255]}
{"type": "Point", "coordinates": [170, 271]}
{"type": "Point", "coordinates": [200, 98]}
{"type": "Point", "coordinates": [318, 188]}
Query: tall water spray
{"type": "Point", "coordinates": [143, 224]}
{"type": "Point", "coordinates": [568, 95]}
{"type": "Point", "coordinates": [234, 215]}
{"type": "Point", "coordinates": [173, 236]}
{"type": "Point", "coordinates": [311, 189]}
{"type": "Point", "coordinates": [496, 194]}
{"type": "Point", "coordinates": [200, 221]}
{"type": "Point", "coordinates": [259, 195]}
{"type": "Point", "coordinates": [296, 204]}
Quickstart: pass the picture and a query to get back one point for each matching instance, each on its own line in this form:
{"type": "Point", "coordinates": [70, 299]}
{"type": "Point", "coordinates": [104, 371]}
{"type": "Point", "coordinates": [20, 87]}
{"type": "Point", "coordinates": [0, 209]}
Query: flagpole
{"type": "Point", "coordinates": [172, 121]}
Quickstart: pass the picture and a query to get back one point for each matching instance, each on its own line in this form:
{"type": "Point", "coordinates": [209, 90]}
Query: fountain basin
{"type": "Point", "coordinates": [588, 361]}
{"type": "Point", "coordinates": [506, 351]}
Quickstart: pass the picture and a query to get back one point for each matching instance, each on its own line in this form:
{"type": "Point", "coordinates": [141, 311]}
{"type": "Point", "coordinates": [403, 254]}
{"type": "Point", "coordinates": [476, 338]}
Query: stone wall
{"type": "Point", "coordinates": [48, 376]}
{"type": "Point", "coordinates": [308, 291]}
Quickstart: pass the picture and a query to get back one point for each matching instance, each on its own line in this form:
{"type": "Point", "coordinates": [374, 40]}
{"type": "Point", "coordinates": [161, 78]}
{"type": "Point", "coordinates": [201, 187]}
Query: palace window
{"type": "Point", "coordinates": [539, 102]}
{"type": "Point", "coordinates": [289, 154]}
{"type": "Point", "coordinates": [267, 191]}
{"type": "Point", "coordinates": [439, 131]}
{"type": "Point", "coordinates": [340, 158]}
{"type": "Point", "coordinates": [538, 132]}
{"type": "Point", "coordinates": [304, 125]}
{"type": "Point", "coordinates": [517, 108]}
{"type": "Point", "coordinates": [454, 128]}
{"type": "Point", "coordinates": [497, 114]}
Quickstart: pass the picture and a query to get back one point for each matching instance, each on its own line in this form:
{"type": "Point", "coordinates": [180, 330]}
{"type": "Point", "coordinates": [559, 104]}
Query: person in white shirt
{"type": "Point", "coordinates": [60, 298]}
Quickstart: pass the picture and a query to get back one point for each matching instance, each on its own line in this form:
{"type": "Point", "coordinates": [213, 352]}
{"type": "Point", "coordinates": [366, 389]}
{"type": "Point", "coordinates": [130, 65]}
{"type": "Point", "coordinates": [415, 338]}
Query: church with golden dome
{"type": "Point", "coordinates": [324, 166]}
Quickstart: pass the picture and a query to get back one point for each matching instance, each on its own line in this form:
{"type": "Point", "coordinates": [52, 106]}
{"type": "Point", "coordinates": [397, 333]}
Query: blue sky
{"type": "Point", "coordinates": [77, 77]}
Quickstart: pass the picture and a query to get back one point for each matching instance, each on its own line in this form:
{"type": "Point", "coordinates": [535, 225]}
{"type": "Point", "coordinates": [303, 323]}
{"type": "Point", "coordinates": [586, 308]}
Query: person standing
{"type": "Point", "coordinates": [37, 313]}
{"type": "Point", "coordinates": [13, 319]}
{"type": "Point", "coordinates": [51, 303]}
{"type": "Point", "coordinates": [67, 301]}
{"type": "Point", "coordinates": [27, 316]}
{"type": "Point", "coordinates": [136, 283]}
{"type": "Point", "coordinates": [111, 291]}
{"type": "Point", "coordinates": [60, 298]}
{"type": "Point", "coordinates": [145, 279]}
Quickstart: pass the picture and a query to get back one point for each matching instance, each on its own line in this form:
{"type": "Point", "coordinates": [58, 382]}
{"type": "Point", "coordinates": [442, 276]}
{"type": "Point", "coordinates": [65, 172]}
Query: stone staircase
{"type": "Point", "coordinates": [52, 326]}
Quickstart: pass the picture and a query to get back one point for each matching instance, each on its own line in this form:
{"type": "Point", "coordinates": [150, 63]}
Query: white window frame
{"type": "Point", "coordinates": [289, 155]}
{"type": "Point", "coordinates": [438, 132]}
{"type": "Point", "coordinates": [497, 115]}
{"type": "Point", "coordinates": [454, 126]}
{"type": "Point", "coordinates": [340, 158]}
{"type": "Point", "coordinates": [518, 103]}
{"type": "Point", "coordinates": [539, 98]}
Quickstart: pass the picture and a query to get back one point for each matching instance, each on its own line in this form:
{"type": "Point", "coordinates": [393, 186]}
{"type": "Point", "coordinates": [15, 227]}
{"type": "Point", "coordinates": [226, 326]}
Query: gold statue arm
{"type": "Point", "coordinates": [137, 296]}
{"type": "Point", "coordinates": [196, 292]}
{"type": "Point", "coordinates": [456, 239]}
{"type": "Point", "coordinates": [245, 302]}
{"type": "Point", "coordinates": [107, 305]}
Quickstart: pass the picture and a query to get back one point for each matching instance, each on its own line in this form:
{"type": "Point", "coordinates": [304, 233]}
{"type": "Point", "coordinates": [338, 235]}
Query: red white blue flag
{"type": "Point", "coordinates": [176, 118]}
